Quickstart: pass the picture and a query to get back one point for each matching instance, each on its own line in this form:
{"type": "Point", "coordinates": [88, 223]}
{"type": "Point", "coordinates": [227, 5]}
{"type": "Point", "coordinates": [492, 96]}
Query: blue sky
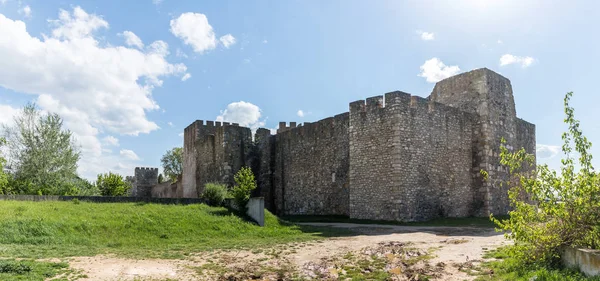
{"type": "Point", "coordinates": [129, 76]}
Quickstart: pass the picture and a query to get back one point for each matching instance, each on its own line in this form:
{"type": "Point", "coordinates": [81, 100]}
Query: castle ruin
{"type": "Point", "coordinates": [393, 157]}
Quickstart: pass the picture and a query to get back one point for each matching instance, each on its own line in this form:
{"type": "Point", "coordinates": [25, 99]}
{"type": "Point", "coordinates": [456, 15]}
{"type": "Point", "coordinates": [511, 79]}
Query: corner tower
{"type": "Point", "coordinates": [488, 95]}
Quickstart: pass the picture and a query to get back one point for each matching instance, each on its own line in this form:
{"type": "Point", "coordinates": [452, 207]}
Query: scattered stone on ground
{"type": "Point", "coordinates": [402, 252]}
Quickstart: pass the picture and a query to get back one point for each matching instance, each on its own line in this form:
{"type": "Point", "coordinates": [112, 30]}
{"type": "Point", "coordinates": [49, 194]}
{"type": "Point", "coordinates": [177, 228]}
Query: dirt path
{"type": "Point", "coordinates": [447, 248]}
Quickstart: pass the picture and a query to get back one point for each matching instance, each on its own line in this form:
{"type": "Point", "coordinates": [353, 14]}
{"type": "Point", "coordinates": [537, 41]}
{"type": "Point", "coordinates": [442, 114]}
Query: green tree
{"type": "Point", "coordinates": [244, 184]}
{"type": "Point", "coordinates": [172, 163]}
{"type": "Point", "coordinates": [42, 155]}
{"type": "Point", "coordinates": [112, 185]}
{"type": "Point", "coordinates": [551, 210]}
{"type": "Point", "coordinates": [3, 175]}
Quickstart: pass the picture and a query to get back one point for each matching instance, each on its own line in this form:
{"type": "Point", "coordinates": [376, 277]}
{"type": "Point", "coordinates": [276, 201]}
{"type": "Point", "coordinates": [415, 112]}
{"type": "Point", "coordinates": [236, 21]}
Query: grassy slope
{"type": "Point", "coordinates": [55, 229]}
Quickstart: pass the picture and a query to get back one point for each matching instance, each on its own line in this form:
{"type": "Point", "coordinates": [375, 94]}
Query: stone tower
{"type": "Point", "coordinates": [144, 180]}
{"type": "Point", "coordinates": [490, 96]}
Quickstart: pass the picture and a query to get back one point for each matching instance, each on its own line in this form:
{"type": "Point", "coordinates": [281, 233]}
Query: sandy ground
{"type": "Point", "coordinates": [451, 247]}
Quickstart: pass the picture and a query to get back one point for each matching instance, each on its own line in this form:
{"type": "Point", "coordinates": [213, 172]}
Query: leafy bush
{"type": "Point", "coordinates": [244, 184]}
{"type": "Point", "coordinates": [552, 210]}
{"type": "Point", "coordinates": [112, 185]}
{"type": "Point", "coordinates": [214, 193]}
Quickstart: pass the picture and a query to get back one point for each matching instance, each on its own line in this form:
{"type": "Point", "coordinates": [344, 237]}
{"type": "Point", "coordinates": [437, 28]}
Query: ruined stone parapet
{"type": "Point", "coordinates": [144, 179]}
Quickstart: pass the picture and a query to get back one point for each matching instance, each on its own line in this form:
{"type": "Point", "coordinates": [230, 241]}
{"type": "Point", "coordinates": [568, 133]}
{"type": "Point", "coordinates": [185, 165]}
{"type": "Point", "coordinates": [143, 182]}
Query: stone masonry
{"type": "Point", "coordinates": [392, 157]}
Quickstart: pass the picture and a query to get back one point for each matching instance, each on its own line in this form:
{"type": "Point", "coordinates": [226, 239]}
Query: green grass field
{"type": "Point", "coordinates": [59, 229]}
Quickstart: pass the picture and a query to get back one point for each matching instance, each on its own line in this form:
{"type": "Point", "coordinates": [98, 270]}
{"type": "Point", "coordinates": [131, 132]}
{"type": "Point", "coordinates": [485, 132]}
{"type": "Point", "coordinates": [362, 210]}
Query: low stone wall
{"type": "Point", "coordinates": [255, 206]}
{"type": "Point", "coordinates": [586, 260]}
{"type": "Point", "coordinates": [256, 210]}
{"type": "Point", "coordinates": [103, 199]}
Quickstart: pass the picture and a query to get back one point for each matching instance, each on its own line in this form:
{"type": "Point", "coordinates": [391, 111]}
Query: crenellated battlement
{"type": "Point", "coordinates": [146, 169]}
{"type": "Point", "coordinates": [284, 127]}
{"type": "Point", "coordinates": [394, 156]}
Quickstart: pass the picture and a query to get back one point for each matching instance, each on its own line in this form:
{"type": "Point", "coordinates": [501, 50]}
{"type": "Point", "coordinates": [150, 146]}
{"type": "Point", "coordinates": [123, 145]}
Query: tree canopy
{"type": "Point", "coordinates": [172, 162]}
{"type": "Point", "coordinates": [42, 155]}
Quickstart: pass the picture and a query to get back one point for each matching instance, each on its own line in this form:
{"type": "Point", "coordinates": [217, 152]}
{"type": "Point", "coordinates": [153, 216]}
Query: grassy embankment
{"type": "Point", "coordinates": [60, 229]}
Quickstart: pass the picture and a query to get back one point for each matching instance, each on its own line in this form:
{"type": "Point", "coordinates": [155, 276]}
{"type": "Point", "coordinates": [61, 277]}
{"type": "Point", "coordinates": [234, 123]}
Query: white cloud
{"type": "Point", "coordinates": [247, 60]}
{"type": "Point", "coordinates": [265, 41]}
{"type": "Point", "coordinates": [194, 30]}
{"type": "Point", "coordinates": [510, 59]}
{"type": "Point", "coordinates": [435, 70]}
{"type": "Point", "coordinates": [426, 36]}
{"type": "Point", "coordinates": [111, 141]}
{"type": "Point", "coordinates": [25, 11]}
{"type": "Point", "coordinates": [96, 88]}
{"type": "Point", "coordinates": [170, 124]}
{"type": "Point", "coordinates": [300, 113]}
{"type": "Point", "coordinates": [500, 41]}
{"type": "Point", "coordinates": [157, 2]}
{"type": "Point", "coordinates": [186, 77]}
{"type": "Point", "coordinates": [244, 113]}
{"type": "Point", "coordinates": [227, 40]}
{"type": "Point", "coordinates": [132, 40]}
{"type": "Point", "coordinates": [7, 113]}
{"type": "Point", "coordinates": [544, 151]}
{"type": "Point", "coordinates": [2, 2]}
{"type": "Point", "coordinates": [129, 154]}
{"type": "Point", "coordinates": [180, 135]}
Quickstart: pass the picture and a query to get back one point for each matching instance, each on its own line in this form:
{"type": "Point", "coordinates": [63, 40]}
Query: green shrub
{"type": "Point", "coordinates": [214, 193]}
{"type": "Point", "coordinates": [552, 209]}
{"type": "Point", "coordinates": [244, 184]}
{"type": "Point", "coordinates": [112, 185]}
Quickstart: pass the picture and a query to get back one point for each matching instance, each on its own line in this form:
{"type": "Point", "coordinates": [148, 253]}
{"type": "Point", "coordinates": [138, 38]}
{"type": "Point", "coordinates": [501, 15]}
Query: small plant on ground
{"type": "Point", "coordinates": [244, 184]}
{"type": "Point", "coordinates": [214, 193]}
{"type": "Point", "coordinates": [31, 270]}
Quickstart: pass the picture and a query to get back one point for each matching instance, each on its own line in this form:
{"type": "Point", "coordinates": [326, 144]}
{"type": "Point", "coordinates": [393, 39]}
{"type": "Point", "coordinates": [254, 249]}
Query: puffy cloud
{"type": "Point", "coordinates": [244, 113]}
{"type": "Point", "coordinates": [96, 88]}
{"type": "Point", "coordinates": [426, 36]}
{"type": "Point", "coordinates": [194, 30]}
{"type": "Point", "coordinates": [7, 113]}
{"type": "Point", "coordinates": [510, 59]}
{"type": "Point", "coordinates": [435, 70]}
{"type": "Point", "coordinates": [300, 113]}
{"type": "Point", "coordinates": [129, 154]}
{"type": "Point", "coordinates": [132, 40]}
{"type": "Point", "coordinates": [25, 11]}
{"type": "Point", "coordinates": [227, 40]}
{"type": "Point", "coordinates": [110, 140]}
{"type": "Point", "coordinates": [186, 77]}
{"type": "Point", "coordinates": [170, 124]}
{"type": "Point", "coordinates": [545, 151]}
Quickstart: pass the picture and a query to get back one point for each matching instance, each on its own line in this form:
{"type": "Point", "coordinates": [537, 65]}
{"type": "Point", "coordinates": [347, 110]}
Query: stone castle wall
{"type": "Point", "coordinates": [213, 152]}
{"type": "Point", "coordinates": [490, 96]}
{"type": "Point", "coordinates": [397, 157]}
{"type": "Point", "coordinates": [410, 159]}
{"type": "Point", "coordinates": [310, 174]}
